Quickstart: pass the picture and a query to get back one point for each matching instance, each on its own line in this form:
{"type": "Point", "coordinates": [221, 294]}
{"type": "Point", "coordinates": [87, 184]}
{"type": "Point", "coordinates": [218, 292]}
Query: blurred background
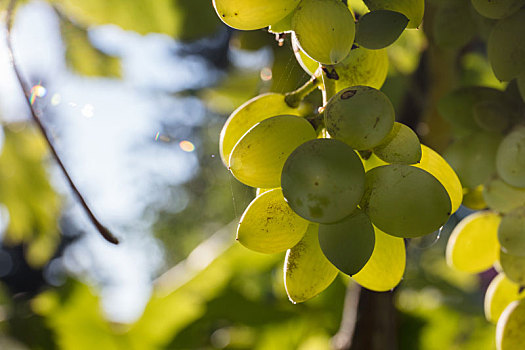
{"type": "Point", "coordinates": [134, 94]}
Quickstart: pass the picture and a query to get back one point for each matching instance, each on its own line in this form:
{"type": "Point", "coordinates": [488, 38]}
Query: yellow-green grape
{"type": "Point", "coordinates": [260, 191]}
{"type": "Point", "coordinates": [282, 26]}
{"type": "Point", "coordinates": [257, 159]}
{"type": "Point", "coordinates": [473, 198]}
{"type": "Point", "coordinates": [457, 107]}
{"type": "Point", "coordinates": [325, 29]}
{"type": "Point", "coordinates": [500, 293]}
{"type": "Point", "coordinates": [521, 85]}
{"type": "Point", "coordinates": [246, 116]}
{"type": "Point", "coordinates": [362, 67]}
{"type": "Point", "coordinates": [513, 266]}
{"type": "Point", "coordinates": [473, 245]}
{"type": "Point", "coordinates": [503, 197]}
{"type": "Point", "coordinates": [323, 180]}
{"type": "Point", "coordinates": [405, 201]}
{"type": "Point", "coordinates": [309, 65]}
{"type": "Point", "coordinates": [492, 115]}
{"type": "Point", "coordinates": [348, 244]}
{"type": "Point", "coordinates": [386, 266]}
{"type": "Point", "coordinates": [413, 9]}
{"type": "Point", "coordinates": [372, 162]}
{"type": "Point", "coordinates": [509, 330]}
{"type": "Point", "coordinates": [510, 159]}
{"type": "Point", "coordinates": [361, 116]}
{"type": "Point", "coordinates": [401, 146]}
{"type": "Point", "coordinates": [497, 9]}
{"type": "Point", "coordinates": [473, 157]}
{"type": "Point", "coordinates": [379, 29]}
{"type": "Point", "coordinates": [307, 272]}
{"type": "Point", "coordinates": [357, 6]}
{"type": "Point", "coordinates": [436, 165]}
{"type": "Point", "coordinates": [506, 47]}
{"type": "Point", "coordinates": [453, 25]}
{"type": "Point", "coordinates": [269, 225]}
{"type": "Point", "coordinates": [511, 232]}
{"type": "Point", "coordinates": [253, 14]}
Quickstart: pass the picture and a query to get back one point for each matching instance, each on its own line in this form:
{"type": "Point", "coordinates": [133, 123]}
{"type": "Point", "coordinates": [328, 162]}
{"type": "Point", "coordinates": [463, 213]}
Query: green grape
{"type": "Point", "coordinates": [307, 272]}
{"type": "Point", "coordinates": [361, 116]}
{"type": "Point", "coordinates": [492, 115]}
{"type": "Point", "coordinates": [509, 330]}
{"type": "Point", "coordinates": [405, 201]}
{"type": "Point", "coordinates": [473, 157]}
{"type": "Point", "coordinates": [323, 180]}
{"type": "Point", "coordinates": [511, 232]}
{"type": "Point", "coordinates": [506, 47]}
{"type": "Point", "coordinates": [325, 30]}
{"type": "Point", "coordinates": [473, 198]}
{"type": "Point", "coordinates": [503, 197]}
{"type": "Point", "coordinates": [500, 293]}
{"type": "Point", "coordinates": [436, 165]}
{"type": "Point", "coordinates": [413, 9]}
{"type": "Point", "coordinates": [268, 225]}
{"type": "Point", "coordinates": [253, 14]}
{"type": "Point", "coordinates": [348, 244]}
{"type": "Point", "coordinates": [513, 266]}
{"type": "Point", "coordinates": [497, 9]}
{"type": "Point", "coordinates": [401, 146]}
{"type": "Point", "coordinates": [246, 116]}
{"type": "Point", "coordinates": [386, 266]}
{"type": "Point", "coordinates": [521, 85]}
{"type": "Point", "coordinates": [357, 6]}
{"type": "Point", "coordinates": [372, 162]}
{"type": "Point", "coordinates": [379, 29]}
{"type": "Point", "coordinates": [457, 107]}
{"type": "Point", "coordinates": [257, 159]}
{"type": "Point", "coordinates": [473, 245]}
{"type": "Point", "coordinates": [309, 65]}
{"type": "Point", "coordinates": [510, 159]}
{"type": "Point", "coordinates": [282, 26]}
{"type": "Point", "coordinates": [453, 25]}
{"type": "Point", "coordinates": [260, 191]}
{"type": "Point", "coordinates": [362, 67]}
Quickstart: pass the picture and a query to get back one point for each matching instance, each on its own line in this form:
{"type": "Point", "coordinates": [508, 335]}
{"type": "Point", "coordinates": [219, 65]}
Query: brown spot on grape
{"type": "Point", "coordinates": [347, 94]}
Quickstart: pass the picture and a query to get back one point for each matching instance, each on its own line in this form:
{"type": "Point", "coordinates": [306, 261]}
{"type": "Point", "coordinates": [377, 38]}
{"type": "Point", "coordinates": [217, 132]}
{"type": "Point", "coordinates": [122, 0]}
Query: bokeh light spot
{"type": "Point", "coordinates": [187, 146]}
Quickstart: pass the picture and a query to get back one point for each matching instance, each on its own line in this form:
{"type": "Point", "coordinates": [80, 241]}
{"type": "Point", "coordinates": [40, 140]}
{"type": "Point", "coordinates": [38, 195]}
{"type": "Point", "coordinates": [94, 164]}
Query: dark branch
{"type": "Point", "coordinates": [36, 118]}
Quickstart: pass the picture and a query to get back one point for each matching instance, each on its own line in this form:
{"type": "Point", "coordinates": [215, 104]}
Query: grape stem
{"type": "Point", "coordinates": [35, 114]}
{"type": "Point", "coordinates": [295, 97]}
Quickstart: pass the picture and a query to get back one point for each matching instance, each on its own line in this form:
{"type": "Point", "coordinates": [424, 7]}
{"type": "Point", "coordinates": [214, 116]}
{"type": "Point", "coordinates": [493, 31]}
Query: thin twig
{"type": "Point", "coordinates": [345, 335]}
{"type": "Point", "coordinates": [36, 118]}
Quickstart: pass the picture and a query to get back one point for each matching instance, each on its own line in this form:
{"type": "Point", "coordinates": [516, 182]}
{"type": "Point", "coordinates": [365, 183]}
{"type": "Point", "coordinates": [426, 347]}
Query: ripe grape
{"type": "Point", "coordinates": [500, 293]}
{"type": "Point", "coordinates": [268, 225]}
{"type": "Point", "coordinates": [253, 14]}
{"type": "Point", "coordinates": [348, 244]}
{"type": "Point", "coordinates": [413, 9]}
{"type": "Point", "coordinates": [503, 197]}
{"type": "Point", "coordinates": [323, 180]}
{"type": "Point", "coordinates": [453, 25]}
{"type": "Point", "coordinates": [361, 116]}
{"type": "Point", "coordinates": [257, 159]}
{"type": "Point", "coordinates": [246, 116]}
{"type": "Point", "coordinates": [497, 9]}
{"type": "Point", "coordinates": [307, 272]}
{"type": "Point", "coordinates": [362, 67]}
{"type": "Point", "coordinates": [379, 29]}
{"type": "Point", "coordinates": [325, 29]}
{"type": "Point", "coordinates": [405, 201]}
{"type": "Point", "coordinates": [513, 266]}
{"type": "Point", "coordinates": [401, 146]}
{"type": "Point", "coordinates": [473, 245]}
{"type": "Point", "coordinates": [510, 159]}
{"type": "Point", "coordinates": [509, 330]}
{"type": "Point", "coordinates": [511, 232]}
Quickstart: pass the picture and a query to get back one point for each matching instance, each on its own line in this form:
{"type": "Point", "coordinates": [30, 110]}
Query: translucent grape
{"type": "Point", "coordinates": [361, 116]}
{"type": "Point", "coordinates": [473, 198]}
{"type": "Point", "coordinates": [257, 159]}
{"type": "Point", "coordinates": [492, 115]}
{"type": "Point", "coordinates": [362, 67]}
{"type": "Point", "coordinates": [436, 165]}
{"type": "Point", "coordinates": [401, 146]}
{"type": "Point", "coordinates": [413, 9]}
{"type": "Point", "coordinates": [506, 47]}
{"type": "Point", "coordinates": [405, 201]}
{"type": "Point", "coordinates": [473, 157]}
{"type": "Point", "coordinates": [511, 232]}
{"type": "Point", "coordinates": [510, 159]}
{"type": "Point", "coordinates": [513, 266]}
{"type": "Point", "coordinates": [307, 272]}
{"type": "Point", "coordinates": [253, 14]}
{"type": "Point", "coordinates": [497, 9]}
{"type": "Point", "coordinates": [500, 293]}
{"type": "Point", "coordinates": [473, 245]}
{"type": "Point", "coordinates": [282, 26]}
{"type": "Point", "coordinates": [503, 197]}
{"type": "Point", "coordinates": [246, 116]}
{"type": "Point", "coordinates": [379, 29]}
{"type": "Point", "coordinates": [323, 180]}
{"type": "Point", "coordinates": [348, 244]}
{"type": "Point", "coordinates": [325, 30]}
{"type": "Point", "coordinates": [386, 266]}
{"type": "Point", "coordinates": [509, 330]}
{"type": "Point", "coordinates": [268, 225]}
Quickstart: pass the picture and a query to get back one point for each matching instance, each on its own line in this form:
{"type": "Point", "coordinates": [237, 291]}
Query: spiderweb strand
{"type": "Point", "coordinates": [104, 232]}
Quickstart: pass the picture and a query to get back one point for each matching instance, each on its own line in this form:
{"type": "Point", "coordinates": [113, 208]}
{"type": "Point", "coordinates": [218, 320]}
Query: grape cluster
{"type": "Point", "coordinates": [338, 190]}
{"type": "Point", "coordinates": [488, 155]}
